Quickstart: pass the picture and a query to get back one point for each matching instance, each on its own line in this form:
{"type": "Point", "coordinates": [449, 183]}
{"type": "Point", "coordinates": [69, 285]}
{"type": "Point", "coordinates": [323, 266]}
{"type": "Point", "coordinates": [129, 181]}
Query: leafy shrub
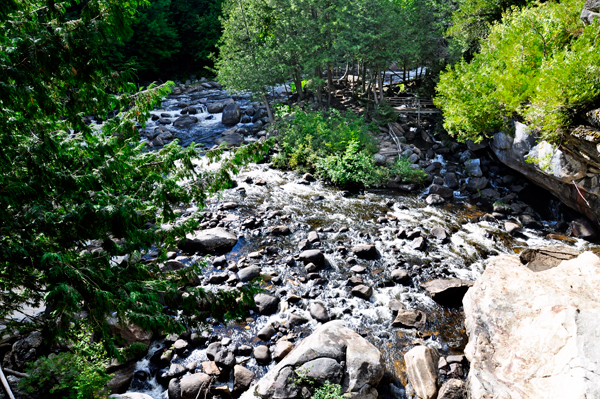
{"type": "Point", "coordinates": [353, 167]}
{"type": "Point", "coordinates": [404, 171]}
{"type": "Point", "coordinates": [309, 135]}
{"type": "Point", "coordinates": [539, 64]}
{"type": "Point", "coordinates": [328, 391]}
{"type": "Point", "coordinates": [385, 113]}
{"type": "Point", "coordinates": [79, 374]}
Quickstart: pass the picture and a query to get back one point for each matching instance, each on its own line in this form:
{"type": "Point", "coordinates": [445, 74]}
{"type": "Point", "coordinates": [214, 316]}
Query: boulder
{"type": "Point", "coordinates": [319, 312]}
{"type": "Point", "coordinates": [248, 273]}
{"type": "Point", "coordinates": [421, 367]}
{"type": "Point", "coordinates": [231, 138]}
{"type": "Point", "coordinates": [185, 121]}
{"type": "Point", "coordinates": [365, 251]}
{"type": "Point", "coordinates": [130, 395]}
{"type": "Point", "coordinates": [447, 292]}
{"type": "Point", "coordinates": [582, 228]}
{"type": "Point", "coordinates": [242, 378]}
{"type": "Point", "coordinates": [129, 332]}
{"type": "Point", "coordinates": [540, 259]}
{"type": "Point", "coordinates": [231, 115]}
{"type": "Point", "coordinates": [266, 304]}
{"type": "Point", "coordinates": [208, 241]}
{"type": "Point", "coordinates": [534, 334]}
{"type": "Point", "coordinates": [215, 108]}
{"type": "Point", "coordinates": [477, 183]}
{"type": "Point", "coordinates": [261, 354]}
{"type": "Point", "coordinates": [331, 343]}
{"type": "Point", "coordinates": [194, 386]}
{"type": "Point", "coordinates": [282, 349]}
{"type": "Point", "coordinates": [434, 199]}
{"type": "Point", "coordinates": [399, 276]}
{"type": "Point", "coordinates": [312, 256]}
{"type": "Point", "coordinates": [451, 180]}
{"type": "Point", "coordinates": [174, 389]}
{"type": "Point", "coordinates": [473, 167]}
{"type": "Point", "coordinates": [439, 233]}
{"type": "Point", "coordinates": [121, 379]}
{"type": "Point", "coordinates": [266, 332]}
{"type": "Point", "coordinates": [442, 191]}
{"type": "Point", "coordinates": [362, 291]}
{"type": "Point", "coordinates": [280, 230]}
{"type": "Point", "coordinates": [322, 370]}
{"type": "Point", "coordinates": [410, 319]}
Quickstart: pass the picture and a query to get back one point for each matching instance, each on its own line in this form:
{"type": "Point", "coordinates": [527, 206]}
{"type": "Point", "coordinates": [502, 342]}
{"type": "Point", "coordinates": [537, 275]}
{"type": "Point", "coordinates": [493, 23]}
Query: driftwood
{"type": "Point", "coordinates": [5, 385]}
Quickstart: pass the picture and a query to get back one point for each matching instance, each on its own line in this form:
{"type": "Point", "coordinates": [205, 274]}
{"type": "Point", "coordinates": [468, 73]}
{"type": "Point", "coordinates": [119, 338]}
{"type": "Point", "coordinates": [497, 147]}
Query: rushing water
{"type": "Point", "coordinates": [344, 219]}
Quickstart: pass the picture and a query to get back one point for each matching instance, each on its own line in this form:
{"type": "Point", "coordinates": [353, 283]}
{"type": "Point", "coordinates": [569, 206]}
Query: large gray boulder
{"type": "Point", "coordinates": [194, 386]}
{"type": "Point", "coordinates": [566, 171]}
{"type": "Point", "coordinates": [534, 334]}
{"type": "Point", "coordinates": [421, 367]}
{"type": "Point", "coordinates": [209, 241]}
{"type": "Point", "coordinates": [231, 115]}
{"type": "Point", "coordinates": [185, 121]}
{"type": "Point", "coordinates": [323, 354]}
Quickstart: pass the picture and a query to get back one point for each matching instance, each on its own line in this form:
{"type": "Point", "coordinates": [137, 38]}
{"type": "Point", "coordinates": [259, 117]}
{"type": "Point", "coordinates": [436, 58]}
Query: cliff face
{"type": "Point", "coordinates": [571, 171]}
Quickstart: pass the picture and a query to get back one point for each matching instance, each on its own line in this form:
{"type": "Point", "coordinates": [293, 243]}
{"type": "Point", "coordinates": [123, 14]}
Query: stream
{"type": "Point", "coordinates": [343, 219]}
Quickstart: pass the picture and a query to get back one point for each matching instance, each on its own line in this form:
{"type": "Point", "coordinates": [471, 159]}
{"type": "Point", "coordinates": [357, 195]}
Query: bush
{"type": "Point", "coordinates": [328, 391]}
{"type": "Point", "coordinates": [79, 374]}
{"type": "Point", "coordinates": [539, 65]}
{"type": "Point", "coordinates": [353, 167]}
{"type": "Point", "coordinates": [403, 170]}
{"type": "Point", "coordinates": [308, 135]}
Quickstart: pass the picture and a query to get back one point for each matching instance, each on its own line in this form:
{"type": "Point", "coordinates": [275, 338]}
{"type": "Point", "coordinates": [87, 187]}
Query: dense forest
{"type": "Point", "coordinates": [73, 198]}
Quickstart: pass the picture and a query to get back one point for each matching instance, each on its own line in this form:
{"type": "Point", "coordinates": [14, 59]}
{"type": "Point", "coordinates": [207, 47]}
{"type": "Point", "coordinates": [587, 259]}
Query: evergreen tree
{"type": "Point", "coordinates": [79, 206]}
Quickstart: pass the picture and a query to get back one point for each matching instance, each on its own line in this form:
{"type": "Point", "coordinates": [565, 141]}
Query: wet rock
{"type": "Point", "coordinates": [210, 367]}
{"type": "Point", "coordinates": [174, 390]}
{"type": "Point", "coordinates": [128, 395]}
{"type": "Point", "coordinates": [266, 332]}
{"type": "Point", "coordinates": [490, 194]}
{"type": "Point", "coordinates": [231, 115]}
{"type": "Point", "coordinates": [212, 350]}
{"type": "Point", "coordinates": [297, 320]}
{"type": "Point", "coordinates": [512, 227]}
{"type": "Point", "coordinates": [308, 177]}
{"type": "Point", "coordinates": [185, 121]}
{"type": "Point", "coordinates": [399, 276]}
{"type": "Point", "coordinates": [232, 139]}
{"type": "Point", "coordinates": [121, 379]}
{"type": "Point", "coordinates": [451, 180]}
{"type": "Point", "coordinates": [421, 367]}
{"type": "Point", "coordinates": [209, 241]}
{"type": "Point", "coordinates": [540, 259]}
{"type": "Point", "coordinates": [473, 167]}
{"type": "Point", "coordinates": [218, 278]}
{"type": "Point", "coordinates": [194, 386]}
{"type": "Point", "coordinates": [266, 304]}
{"type": "Point", "coordinates": [312, 256]}
{"type": "Point", "coordinates": [261, 354]}
{"type": "Point", "coordinates": [488, 218]}
{"type": "Point", "coordinates": [221, 392]}
{"type": "Point", "coordinates": [282, 349]}
{"type": "Point", "coordinates": [311, 268]}
{"type": "Point", "coordinates": [362, 291]}
{"type": "Point", "coordinates": [538, 321]}
{"type": "Point", "coordinates": [180, 346]}
{"type": "Point", "coordinates": [244, 350]}
{"type": "Point", "coordinates": [164, 121]}
{"type": "Point", "coordinates": [477, 183]}
{"type": "Point", "coordinates": [260, 182]}
{"type": "Point", "coordinates": [447, 292]}
{"type": "Point", "coordinates": [444, 192]}
{"type": "Point", "coordinates": [358, 269]}
{"type": "Point", "coordinates": [129, 332]}
{"type": "Point", "coordinates": [439, 233]}
{"type": "Point", "coordinates": [313, 237]}
{"type": "Point", "coordinates": [248, 273]}
{"type": "Point", "coordinates": [280, 231]}
{"type": "Point", "coordinates": [334, 340]}
{"type": "Point", "coordinates": [410, 318]}
{"type": "Point", "coordinates": [434, 199]}
{"type": "Point", "coordinates": [319, 312]}
{"type": "Point", "coordinates": [395, 306]}
{"type": "Point", "coordinates": [176, 370]}
{"type": "Point", "coordinates": [242, 378]}
{"type": "Point", "coordinates": [582, 228]}
{"type": "Point", "coordinates": [365, 251]}
{"type": "Point", "coordinates": [355, 280]}
{"type": "Point", "coordinates": [225, 359]}
{"type": "Point", "coordinates": [216, 108]}
{"type": "Point", "coordinates": [322, 370]}
{"type": "Point", "coordinates": [530, 222]}
{"type": "Point", "coordinates": [419, 244]}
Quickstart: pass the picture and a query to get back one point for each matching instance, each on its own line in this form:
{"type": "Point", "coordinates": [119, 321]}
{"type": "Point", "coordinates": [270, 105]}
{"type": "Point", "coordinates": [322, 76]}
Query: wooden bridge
{"type": "Point", "coordinates": [413, 105]}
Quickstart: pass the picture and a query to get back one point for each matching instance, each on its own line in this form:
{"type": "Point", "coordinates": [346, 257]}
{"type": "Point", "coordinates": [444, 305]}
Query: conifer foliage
{"type": "Point", "coordinates": [79, 205]}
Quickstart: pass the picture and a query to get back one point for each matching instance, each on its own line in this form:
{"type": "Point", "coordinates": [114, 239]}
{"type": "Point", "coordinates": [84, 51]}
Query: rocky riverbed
{"type": "Point", "coordinates": [388, 265]}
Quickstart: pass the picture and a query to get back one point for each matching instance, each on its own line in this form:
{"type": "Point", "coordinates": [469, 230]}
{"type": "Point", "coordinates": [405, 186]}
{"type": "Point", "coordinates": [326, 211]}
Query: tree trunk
{"type": "Point", "coordinates": [269, 111]}
{"type": "Point", "coordinates": [319, 94]}
{"type": "Point", "coordinates": [298, 82]}
{"type": "Point", "coordinates": [329, 85]}
{"type": "Point", "coordinates": [364, 79]}
{"type": "Point", "coordinates": [381, 77]}
{"type": "Point", "coordinates": [373, 85]}
{"type": "Point", "coordinates": [404, 72]}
